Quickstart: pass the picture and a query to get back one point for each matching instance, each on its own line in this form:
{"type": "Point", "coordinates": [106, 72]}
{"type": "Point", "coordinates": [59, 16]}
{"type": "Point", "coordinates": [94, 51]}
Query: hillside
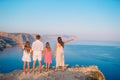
{"type": "Point", "coordinates": [13, 39]}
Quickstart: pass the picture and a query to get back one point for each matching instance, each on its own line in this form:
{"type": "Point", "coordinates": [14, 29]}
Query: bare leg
{"type": "Point", "coordinates": [34, 62]}
{"type": "Point", "coordinates": [56, 68]}
{"type": "Point", "coordinates": [40, 65]}
{"type": "Point", "coordinates": [62, 68]}
{"type": "Point", "coordinates": [28, 64]}
{"type": "Point", "coordinates": [48, 67]}
{"type": "Point", "coordinates": [24, 67]}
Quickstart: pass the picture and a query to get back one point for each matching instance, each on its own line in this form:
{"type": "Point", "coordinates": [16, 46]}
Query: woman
{"type": "Point", "coordinates": [59, 52]}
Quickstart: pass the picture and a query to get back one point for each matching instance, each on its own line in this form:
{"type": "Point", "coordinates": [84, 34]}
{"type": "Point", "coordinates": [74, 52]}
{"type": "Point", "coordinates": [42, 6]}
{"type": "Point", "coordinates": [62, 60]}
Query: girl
{"type": "Point", "coordinates": [47, 56]}
{"type": "Point", "coordinates": [59, 52]}
{"type": "Point", "coordinates": [26, 57]}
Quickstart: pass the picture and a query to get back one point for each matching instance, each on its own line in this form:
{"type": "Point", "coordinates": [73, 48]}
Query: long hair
{"type": "Point", "coordinates": [48, 46]}
{"type": "Point", "coordinates": [60, 41]}
{"type": "Point", "coordinates": [27, 47]}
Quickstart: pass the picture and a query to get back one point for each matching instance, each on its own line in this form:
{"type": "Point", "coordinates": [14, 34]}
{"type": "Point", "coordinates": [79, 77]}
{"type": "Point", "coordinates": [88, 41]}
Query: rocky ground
{"type": "Point", "coordinates": [70, 73]}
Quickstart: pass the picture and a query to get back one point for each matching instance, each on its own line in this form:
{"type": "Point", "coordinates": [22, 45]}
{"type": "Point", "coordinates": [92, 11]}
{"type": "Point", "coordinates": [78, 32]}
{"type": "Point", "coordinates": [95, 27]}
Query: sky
{"type": "Point", "coordinates": [86, 19]}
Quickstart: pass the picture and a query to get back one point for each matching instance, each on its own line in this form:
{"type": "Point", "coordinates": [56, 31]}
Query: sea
{"type": "Point", "coordinates": [104, 54]}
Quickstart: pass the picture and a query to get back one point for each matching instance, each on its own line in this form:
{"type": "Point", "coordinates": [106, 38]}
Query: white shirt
{"type": "Point", "coordinates": [37, 45]}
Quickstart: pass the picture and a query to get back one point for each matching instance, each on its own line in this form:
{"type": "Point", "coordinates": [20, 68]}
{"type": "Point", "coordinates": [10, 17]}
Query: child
{"type": "Point", "coordinates": [26, 56]}
{"type": "Point", "coordinates": [47, 56]}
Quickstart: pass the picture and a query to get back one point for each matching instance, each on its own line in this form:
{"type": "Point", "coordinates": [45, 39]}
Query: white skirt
{"type": "Point", "coordinates": [59, 59]}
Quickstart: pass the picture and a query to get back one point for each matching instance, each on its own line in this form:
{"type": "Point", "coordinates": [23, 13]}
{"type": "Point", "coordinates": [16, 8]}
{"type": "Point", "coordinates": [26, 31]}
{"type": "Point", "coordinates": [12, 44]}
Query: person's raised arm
{"type": "Point", "coordinates": [68, 40]}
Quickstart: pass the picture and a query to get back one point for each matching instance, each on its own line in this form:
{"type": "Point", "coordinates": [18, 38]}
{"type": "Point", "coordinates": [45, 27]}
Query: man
{"type": "Point", "coordinates": [37, 48]}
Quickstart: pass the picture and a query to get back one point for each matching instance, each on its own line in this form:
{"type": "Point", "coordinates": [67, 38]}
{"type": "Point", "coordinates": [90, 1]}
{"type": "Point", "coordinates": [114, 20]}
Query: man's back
{"type": "Point", "coordinates": [37, 45]}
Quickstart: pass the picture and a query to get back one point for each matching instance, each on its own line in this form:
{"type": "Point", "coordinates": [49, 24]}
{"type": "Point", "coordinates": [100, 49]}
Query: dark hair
{"type": "Point", "coordinates": [48, 46]}
{"type": "Point", "coordinates": [27, 46]}
{"type": "Point", "coordinates": [37, 36]}
{"type": "Point", "coordinates": [60, 41]}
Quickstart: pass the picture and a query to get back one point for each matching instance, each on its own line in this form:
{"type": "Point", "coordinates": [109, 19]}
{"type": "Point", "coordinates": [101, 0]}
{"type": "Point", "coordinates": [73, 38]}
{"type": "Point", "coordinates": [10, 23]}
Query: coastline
{"type": "Point", "coordinates": [71, 73]}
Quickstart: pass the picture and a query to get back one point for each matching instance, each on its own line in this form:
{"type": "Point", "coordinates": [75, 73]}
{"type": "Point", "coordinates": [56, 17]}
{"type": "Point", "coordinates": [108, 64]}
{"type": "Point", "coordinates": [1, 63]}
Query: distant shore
{"type": "Point", "coordinates": [70, 73]}
{"type": "Point", "coordinates": [8, 40]}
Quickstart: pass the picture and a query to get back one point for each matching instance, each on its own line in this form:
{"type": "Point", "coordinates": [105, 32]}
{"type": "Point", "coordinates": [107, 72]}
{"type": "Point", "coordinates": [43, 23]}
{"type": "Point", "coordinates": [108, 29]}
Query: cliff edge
{"type": "Point", "coordinates": [73, 73]}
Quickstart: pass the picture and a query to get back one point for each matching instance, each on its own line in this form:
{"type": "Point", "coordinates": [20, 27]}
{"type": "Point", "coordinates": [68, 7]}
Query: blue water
{"type": "Point", "coordinates": [106, 57]}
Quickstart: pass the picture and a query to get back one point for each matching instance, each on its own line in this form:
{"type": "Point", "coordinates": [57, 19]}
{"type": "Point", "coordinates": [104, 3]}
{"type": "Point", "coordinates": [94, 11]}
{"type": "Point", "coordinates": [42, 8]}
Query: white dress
{"type": "Point", "coordinates": [59, 55]}
{"type": "Point", "coordinates": [26, 57]}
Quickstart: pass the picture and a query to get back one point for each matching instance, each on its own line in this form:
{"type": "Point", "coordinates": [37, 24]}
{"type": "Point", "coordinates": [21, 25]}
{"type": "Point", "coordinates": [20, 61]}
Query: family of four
{"type": "Point", "coordinates": [37, 51]}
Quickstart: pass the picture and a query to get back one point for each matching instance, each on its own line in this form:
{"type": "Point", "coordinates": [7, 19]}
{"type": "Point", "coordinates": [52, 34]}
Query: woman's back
{"type": "Point", "coordinates": [59, 48]}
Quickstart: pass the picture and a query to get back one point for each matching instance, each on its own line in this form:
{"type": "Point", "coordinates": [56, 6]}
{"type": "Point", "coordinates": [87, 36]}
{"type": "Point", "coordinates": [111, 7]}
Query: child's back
{"type": "Point", "coordinates": [48, 57]}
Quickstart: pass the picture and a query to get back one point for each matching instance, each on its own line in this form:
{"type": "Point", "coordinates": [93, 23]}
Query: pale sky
{"type": "Point", "coordinates": [86, 19]}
